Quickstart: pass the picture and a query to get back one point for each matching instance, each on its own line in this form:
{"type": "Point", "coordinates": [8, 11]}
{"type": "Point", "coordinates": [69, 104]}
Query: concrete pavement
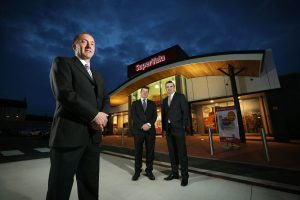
{"type": "Point", "coordinates": [24, 180]}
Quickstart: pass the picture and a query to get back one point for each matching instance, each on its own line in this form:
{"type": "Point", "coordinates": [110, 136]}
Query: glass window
{"type": "Point", "coordinates": [156, 93]}
{"type": "Point", "coordinates": [203, 115]}
{"type": "Point", "coordinates": [251, 113]}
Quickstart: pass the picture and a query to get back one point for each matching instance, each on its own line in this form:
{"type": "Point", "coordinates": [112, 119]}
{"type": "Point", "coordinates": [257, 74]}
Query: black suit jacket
{"type": "Point", "coordinates": [177, 113]}
{"type": "Point", "coordinates": [78, 100]}
{"type": "Point", "coordinates": [140, 117]}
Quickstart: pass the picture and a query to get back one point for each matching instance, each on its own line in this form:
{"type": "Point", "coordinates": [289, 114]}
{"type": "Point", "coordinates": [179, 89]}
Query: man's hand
{"type": "Point", "coordinates": [146, 127]}
{"type": "Point", "coordinates": [100, 121]}
{"type": "Point", "coordinates": [97, 127]}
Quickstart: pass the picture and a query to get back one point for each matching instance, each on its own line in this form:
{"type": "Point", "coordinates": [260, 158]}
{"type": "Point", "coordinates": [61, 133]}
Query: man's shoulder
{"type": "Point", "coordinates": [181, 97]}
{"type": "Point", "coordinates": [179, 94]}
{"type": "Point", "coordinates": [150, 101]}
{"type": "Point", "coordinates": [62, 58]}
{"type": "Point", "coordinates": [135, 102]}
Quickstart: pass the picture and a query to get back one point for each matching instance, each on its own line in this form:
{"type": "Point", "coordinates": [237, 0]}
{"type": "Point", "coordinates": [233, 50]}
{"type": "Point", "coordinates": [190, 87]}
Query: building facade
{"type": "Point", "coordinates": [208, 81]}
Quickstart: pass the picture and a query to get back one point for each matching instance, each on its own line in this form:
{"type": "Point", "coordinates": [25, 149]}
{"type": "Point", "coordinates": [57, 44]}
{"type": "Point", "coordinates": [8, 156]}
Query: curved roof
{"type": "Point", "coordinates": [249, 62]}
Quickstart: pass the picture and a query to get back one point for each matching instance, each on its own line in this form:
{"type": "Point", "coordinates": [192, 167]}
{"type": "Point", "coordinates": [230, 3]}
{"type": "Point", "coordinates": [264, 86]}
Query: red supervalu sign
{"type": "Point", "coordinates": [170, 55]}
{"type": "Point", "coordinates": [150, 63]}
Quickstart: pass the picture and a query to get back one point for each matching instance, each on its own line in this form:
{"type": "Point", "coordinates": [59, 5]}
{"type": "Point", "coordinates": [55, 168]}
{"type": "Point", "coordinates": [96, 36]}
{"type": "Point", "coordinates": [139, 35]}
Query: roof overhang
{"type": "Point", "coordinates": [249, 64]}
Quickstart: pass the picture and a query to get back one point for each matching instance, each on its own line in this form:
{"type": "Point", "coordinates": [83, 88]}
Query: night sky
{"type": "Point", "coordinates": [33, 32]}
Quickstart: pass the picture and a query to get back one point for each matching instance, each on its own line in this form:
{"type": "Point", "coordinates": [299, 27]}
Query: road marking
{"type": "Point", "coordinates": [12, 153]}
{"type": "Point", "coordinates": [42, 150]}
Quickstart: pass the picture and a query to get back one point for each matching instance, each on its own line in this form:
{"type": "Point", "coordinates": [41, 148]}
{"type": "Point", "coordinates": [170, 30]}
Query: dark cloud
{"type": "Point", "coordinates": [33, 32]}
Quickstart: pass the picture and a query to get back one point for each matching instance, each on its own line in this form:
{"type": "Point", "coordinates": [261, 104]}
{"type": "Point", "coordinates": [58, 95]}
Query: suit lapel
{"type": "Point", "coordinates": [96, 79]}
{"type": "Point", "coordinates": [148, 106]}
{"type": "Point", "coordinates": [173, 99]}
{"type": "Point", "coordinates": [165, 103]}
{"type": "Point", "coordinates": [79, 65]}
{"type": "Point", "coordinates": [141, 105]}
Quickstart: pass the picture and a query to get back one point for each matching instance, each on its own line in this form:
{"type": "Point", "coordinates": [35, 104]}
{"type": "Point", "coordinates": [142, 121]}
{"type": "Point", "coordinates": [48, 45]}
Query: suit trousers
{"type": "Point", "coordinates": [139, 140]}
{"type": "Point", "coordinates": [66, 162]}
{"type": "Point", "coordinates": [177, 152]}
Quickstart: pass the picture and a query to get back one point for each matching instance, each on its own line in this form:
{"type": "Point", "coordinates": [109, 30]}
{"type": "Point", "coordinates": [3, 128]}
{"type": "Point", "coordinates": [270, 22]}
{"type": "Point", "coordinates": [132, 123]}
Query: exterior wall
{"type": "Point", "coordinates": [209, 87]}
{"type": "Point", "coordinates": [268, 79]}
{"type": "Point", "coordinates": [216, 86]}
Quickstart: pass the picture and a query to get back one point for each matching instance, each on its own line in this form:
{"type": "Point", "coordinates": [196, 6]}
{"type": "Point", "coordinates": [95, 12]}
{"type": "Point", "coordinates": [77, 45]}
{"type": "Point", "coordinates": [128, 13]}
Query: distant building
{"type": "Point", "coordinates": [13, 118]}
{"type": "Point", "coordinates": [12, 110]}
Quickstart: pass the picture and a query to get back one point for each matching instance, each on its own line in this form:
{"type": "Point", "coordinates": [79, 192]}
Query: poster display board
{"type": "Point", "coordinates": [228, 124]}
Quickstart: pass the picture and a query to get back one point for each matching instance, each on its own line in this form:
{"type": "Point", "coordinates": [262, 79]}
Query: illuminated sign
{"type": "Point", "coordinates": [170, 55]}
{"type": "Point", "coordinates": [150, 63]}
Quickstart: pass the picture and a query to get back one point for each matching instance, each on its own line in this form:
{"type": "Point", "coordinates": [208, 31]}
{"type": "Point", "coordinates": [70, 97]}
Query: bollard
{"type": "Point", "coordinates": [264, 140]}
{"type": "Point", "coordinates": [211, 142]}
{"type": "Point", "coordinates": [122, 137]}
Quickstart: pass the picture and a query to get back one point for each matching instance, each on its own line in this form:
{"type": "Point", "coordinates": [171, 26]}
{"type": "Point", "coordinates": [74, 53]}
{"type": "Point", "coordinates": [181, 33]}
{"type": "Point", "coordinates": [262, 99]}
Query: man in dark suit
{"type": "Point", "coordinates": [174, 120]}
{"type": "Point", "coordinates": [144, 114]}
{"type": "Point", "coordinates": [82, 107]}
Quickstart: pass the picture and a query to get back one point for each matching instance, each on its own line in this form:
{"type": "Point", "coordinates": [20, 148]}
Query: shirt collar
{"type": "Point", "coordinates": [171, 95]}
{"type": "Point", "coordinates": [83, 61]}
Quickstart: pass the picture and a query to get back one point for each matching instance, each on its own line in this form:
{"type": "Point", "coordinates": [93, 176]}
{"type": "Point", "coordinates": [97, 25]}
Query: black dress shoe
{"type": "Point", "coordinates": [135, 177]}
{"type": "Point", "coordinates": [171, 177]}
{"type": "Point", "coordinates": [150, 176]}
{"type": "Point", "coordinates": [184, 181]}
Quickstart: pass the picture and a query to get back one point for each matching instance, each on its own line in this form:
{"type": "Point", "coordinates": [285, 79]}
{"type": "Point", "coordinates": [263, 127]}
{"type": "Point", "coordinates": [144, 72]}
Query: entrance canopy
{"type": "Point", "coordinates": [249, 63]}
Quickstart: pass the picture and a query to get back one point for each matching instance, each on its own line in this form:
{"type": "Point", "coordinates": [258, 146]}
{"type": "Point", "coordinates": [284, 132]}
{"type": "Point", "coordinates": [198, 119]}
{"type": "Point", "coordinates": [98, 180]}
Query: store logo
{"type": "Point", "coordinates": [150, 63]}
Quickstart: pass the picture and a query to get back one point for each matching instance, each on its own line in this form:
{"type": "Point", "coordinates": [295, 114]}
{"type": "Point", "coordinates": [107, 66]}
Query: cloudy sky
{"type": "Point", "coordinates": [33, 32]}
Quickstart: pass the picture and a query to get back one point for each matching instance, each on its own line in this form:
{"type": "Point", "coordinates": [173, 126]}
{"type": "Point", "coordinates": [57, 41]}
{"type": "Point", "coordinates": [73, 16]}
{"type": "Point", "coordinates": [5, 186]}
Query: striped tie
{"type": "Point", "coordinates": [88, 69]}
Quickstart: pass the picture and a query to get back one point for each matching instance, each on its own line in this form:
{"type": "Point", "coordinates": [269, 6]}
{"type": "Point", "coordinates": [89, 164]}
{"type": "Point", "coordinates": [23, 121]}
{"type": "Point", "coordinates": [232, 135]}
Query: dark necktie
{"type": "Point", "coordinates": [144, 104]}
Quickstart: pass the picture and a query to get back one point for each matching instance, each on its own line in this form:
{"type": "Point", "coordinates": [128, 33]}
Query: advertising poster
{"type": "Point", "coordinates": [228, 124]}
